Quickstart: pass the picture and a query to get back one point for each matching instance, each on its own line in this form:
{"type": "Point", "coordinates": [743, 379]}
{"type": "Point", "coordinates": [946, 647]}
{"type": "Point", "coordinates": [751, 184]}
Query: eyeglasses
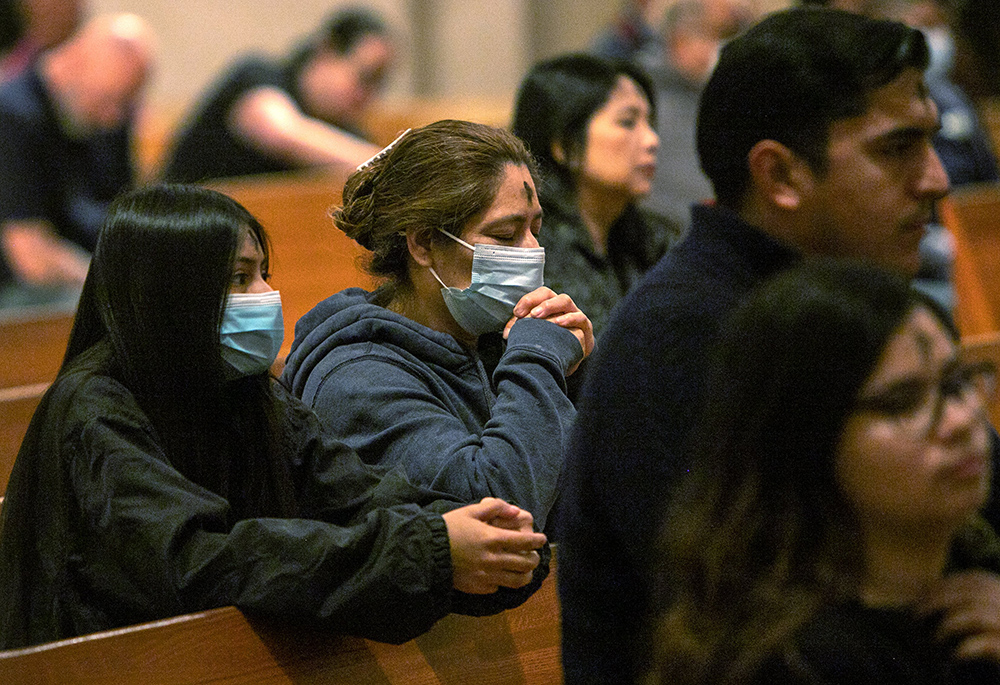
{"type": "Point", "coordinates": [918, 408]}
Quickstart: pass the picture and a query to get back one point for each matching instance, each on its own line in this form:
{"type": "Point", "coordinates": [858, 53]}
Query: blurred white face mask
{"type": "Point", "coordinates": [501, 276]}
{"type": "Point", "coordinates": [941, 45]}
{"type": "Point", "coordinates": [252, 331]}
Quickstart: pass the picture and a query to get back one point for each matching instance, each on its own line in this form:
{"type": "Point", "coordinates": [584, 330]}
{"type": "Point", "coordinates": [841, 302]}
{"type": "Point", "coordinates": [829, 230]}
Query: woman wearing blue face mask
{"type": "Point", "coordinates": [455, 367]}
{"type": "Point", "coordinates": [165, 472]}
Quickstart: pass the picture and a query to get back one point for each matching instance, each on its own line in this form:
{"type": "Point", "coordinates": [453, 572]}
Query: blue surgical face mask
{"type": "Point", "coordinates": [501, 276]}
{"type": "Point", "coordinates": [252, 331]}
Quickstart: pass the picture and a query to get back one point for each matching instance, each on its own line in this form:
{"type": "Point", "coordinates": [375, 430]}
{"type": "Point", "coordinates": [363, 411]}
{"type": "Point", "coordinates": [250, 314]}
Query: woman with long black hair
{"type": "Point", "coordinates": [166, 472]}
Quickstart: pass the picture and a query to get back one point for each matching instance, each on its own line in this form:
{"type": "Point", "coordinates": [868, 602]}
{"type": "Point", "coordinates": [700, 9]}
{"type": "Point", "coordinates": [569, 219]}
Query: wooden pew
{"type": "Point", "coordinates": [972, 215]}
{"type": "Point", "coordinates": [32, 345]}
{"type": "Point", "coordinates": [518, 647]}
{"type": "Point", "coordinates": [311, 258]}
{"type": "Point", "coordinates": [16, 408]}
{"type": "Point", "coordinates": [391, 117]}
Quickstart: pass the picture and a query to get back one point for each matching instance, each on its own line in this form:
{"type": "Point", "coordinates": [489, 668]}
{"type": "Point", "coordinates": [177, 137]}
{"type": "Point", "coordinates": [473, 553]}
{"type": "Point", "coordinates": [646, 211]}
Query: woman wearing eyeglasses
{"type": "Point", "coordinates": [828, 532]}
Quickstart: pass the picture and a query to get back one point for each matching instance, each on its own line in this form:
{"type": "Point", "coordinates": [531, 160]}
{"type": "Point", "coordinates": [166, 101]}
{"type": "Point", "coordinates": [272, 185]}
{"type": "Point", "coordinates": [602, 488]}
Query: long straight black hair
{"type": "Point", "coordinates": [153, 299]}
{"type": "Point", "coordinates": [148, 318]}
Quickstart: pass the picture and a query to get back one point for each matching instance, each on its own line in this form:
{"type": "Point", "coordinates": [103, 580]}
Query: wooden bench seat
{"type": "Point", "coordinates": [32, 346]}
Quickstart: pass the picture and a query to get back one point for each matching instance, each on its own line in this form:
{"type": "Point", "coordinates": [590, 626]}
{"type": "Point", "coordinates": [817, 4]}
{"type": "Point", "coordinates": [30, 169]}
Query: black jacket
{"type": "Point", "coordinates": [100, 531]}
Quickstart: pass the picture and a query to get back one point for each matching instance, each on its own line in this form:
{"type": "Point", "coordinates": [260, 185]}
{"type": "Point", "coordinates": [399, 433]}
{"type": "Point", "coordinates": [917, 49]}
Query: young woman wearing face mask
{"type": "Point", "coordinates": [828, 532]}
{"type": "Point", "coordinates": [455, 367]}
{"type": "Point", "coordinates": [165, 472]}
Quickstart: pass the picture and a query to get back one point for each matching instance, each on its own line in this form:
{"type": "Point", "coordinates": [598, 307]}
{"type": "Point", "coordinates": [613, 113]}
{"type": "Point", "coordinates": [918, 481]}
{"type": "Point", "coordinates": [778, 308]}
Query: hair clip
{"type": "Point", "coordinates": [383, 152]}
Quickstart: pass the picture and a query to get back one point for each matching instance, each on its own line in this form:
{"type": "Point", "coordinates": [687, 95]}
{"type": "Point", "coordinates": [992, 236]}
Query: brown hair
{"type": "Point", "coordinates": [438, 176]}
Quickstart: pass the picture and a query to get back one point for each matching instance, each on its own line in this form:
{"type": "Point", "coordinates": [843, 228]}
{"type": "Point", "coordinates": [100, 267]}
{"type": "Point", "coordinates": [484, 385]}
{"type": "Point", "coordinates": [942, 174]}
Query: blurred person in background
{"type": "Point", "coordinates": [265, 115]}
{"type": "Point", "coordinates": [65, 153]}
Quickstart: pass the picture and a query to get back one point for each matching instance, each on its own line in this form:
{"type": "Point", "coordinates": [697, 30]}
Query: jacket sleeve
{"type": "Point", "coordinates": [155, 544]}
{"type": "Point", "coordinates": [340, 488]}
{"type": "Point", "coordinates": [394, 410]}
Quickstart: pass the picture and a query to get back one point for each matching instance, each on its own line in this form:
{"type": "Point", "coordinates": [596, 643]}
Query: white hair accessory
{"type": "Point", "coordinates": [383, 152]}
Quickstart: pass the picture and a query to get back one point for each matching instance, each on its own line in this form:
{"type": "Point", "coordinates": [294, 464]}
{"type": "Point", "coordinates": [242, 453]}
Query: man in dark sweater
{"type": "Point", "coordinates": [815, 130]}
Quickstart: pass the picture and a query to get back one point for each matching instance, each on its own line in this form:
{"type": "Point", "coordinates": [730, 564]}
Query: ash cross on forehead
{"type": "Point", "coordinates": [529, 191]}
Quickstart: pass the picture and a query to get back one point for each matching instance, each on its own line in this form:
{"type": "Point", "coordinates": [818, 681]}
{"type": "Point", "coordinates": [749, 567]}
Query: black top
{"type": "Point", "coordinates": [206, 147]}
{"type": "Point", "coordinates": [99, 530]}
{"type": "Point", "coordinates": [45, 174]}
{"type": "Point", "coordinates": [850, 644]}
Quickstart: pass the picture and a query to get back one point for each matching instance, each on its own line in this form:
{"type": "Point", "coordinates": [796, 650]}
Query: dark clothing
{"type": "Point", "coordinates": [636, 241]}
{"type": "Point", "coordinates": [962, 143]}
{"type": "Point", "coordinates": [46, 174]}
{"type": "Point", "coordinates": [850, 643]}
{"type": "Point", "coordinates": [207, 148]}
{"type": "Point", "coordinates": [679, 181]}
{"type": "Point", "coordinates": [628, 446]}
{"type": "Point", "coordinates": [401, 393]}
{"type": "Point", "coordinates": [637, 407]}
{"type": "Point", "coordinates": [101, 531]}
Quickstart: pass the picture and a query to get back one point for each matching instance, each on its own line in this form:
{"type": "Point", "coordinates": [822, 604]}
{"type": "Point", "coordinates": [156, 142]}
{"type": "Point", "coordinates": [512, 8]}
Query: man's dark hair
{"type": "Point", "coordinates": [788, 79]}
{"type": "Point", "coordinates": [340, 33]}
{"type": "Point", "coordinates": [345, 28]}
{"type": "Point", "coordinates": [11, 24]}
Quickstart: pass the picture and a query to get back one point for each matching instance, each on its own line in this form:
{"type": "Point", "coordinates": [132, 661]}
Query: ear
{"type": "Point", "coordinates": [780, 176]}
{"type": "Point", "coordinates": [418, 242]}
{"type": "Point", "coordinates": [558, 153]}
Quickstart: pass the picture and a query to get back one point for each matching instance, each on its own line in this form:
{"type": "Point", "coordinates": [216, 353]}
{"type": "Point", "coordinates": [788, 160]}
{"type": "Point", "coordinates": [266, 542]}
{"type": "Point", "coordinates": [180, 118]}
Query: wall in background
{"type": "Point", "coordinates": [451, 48]}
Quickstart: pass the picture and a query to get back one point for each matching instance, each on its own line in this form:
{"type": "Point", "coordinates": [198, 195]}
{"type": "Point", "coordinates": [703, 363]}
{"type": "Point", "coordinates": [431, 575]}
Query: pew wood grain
{"type": "Point", "coordinates": [517, 647]}
{"type": "Point", "coordinates": [972, 216]}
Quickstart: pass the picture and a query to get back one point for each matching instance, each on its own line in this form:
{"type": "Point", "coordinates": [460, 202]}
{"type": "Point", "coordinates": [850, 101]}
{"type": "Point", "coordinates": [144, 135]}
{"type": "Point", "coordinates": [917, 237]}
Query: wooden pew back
{"type": "Point", "coordinates": [972, 215]}
{"type": "Point", "coordinates": [16, 408]}
{"type": "Point", "coordinates": [32, 346]}
{"type": "Point", "coordinates": [518, 647]}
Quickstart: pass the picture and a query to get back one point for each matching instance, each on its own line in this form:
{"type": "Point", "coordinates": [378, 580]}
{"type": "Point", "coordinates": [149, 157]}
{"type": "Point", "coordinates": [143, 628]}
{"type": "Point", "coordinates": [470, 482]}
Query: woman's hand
{"type": "Point", "coordinates": [969, 604]}
{"type": "Point", "coordinates": [492, 545]}
{"type": "Point", "coordinates": [543, 303]}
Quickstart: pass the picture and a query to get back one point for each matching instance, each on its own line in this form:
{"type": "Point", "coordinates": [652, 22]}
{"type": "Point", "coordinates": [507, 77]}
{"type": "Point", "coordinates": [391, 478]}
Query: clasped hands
{"type": "Point", "coordinates": [493, 545]}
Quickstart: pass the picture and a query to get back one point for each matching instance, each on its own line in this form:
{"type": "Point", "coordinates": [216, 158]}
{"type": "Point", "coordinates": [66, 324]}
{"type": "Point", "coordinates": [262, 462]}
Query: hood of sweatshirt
{"type": "Point", "coordinates": [351, 318]}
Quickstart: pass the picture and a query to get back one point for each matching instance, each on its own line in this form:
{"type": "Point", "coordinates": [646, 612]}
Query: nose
{"type": "Point", "coordinates": [933, 182]}
{"type": "Point", "coordinates": [652, 138]}
{"type": "Point", "coordinates": [529, 240]}
{"type": "Point", "coordinates": [960, 415]}
{"type": "Point", "coordinates": [259, 285]}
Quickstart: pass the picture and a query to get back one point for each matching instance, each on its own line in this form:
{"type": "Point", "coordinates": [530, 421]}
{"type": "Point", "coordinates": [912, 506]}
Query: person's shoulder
{"type": "Point", "coordinates": [22, 96]}
{"type": "Point", "coordinates": [348, 328]}
{"type": "Point", "coordinates": [251, 64]}
{"type": "Point", "coordinates": [660, 231]}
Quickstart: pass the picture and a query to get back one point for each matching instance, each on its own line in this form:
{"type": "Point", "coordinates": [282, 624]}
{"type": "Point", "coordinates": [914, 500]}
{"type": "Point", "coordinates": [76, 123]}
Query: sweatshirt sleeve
{"type": "Point", "coordinates": [155, 545]}
{"type": "Point", "coordinates": [339, 488]}
{"type": "Point", "coordinates": [393, 409]}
